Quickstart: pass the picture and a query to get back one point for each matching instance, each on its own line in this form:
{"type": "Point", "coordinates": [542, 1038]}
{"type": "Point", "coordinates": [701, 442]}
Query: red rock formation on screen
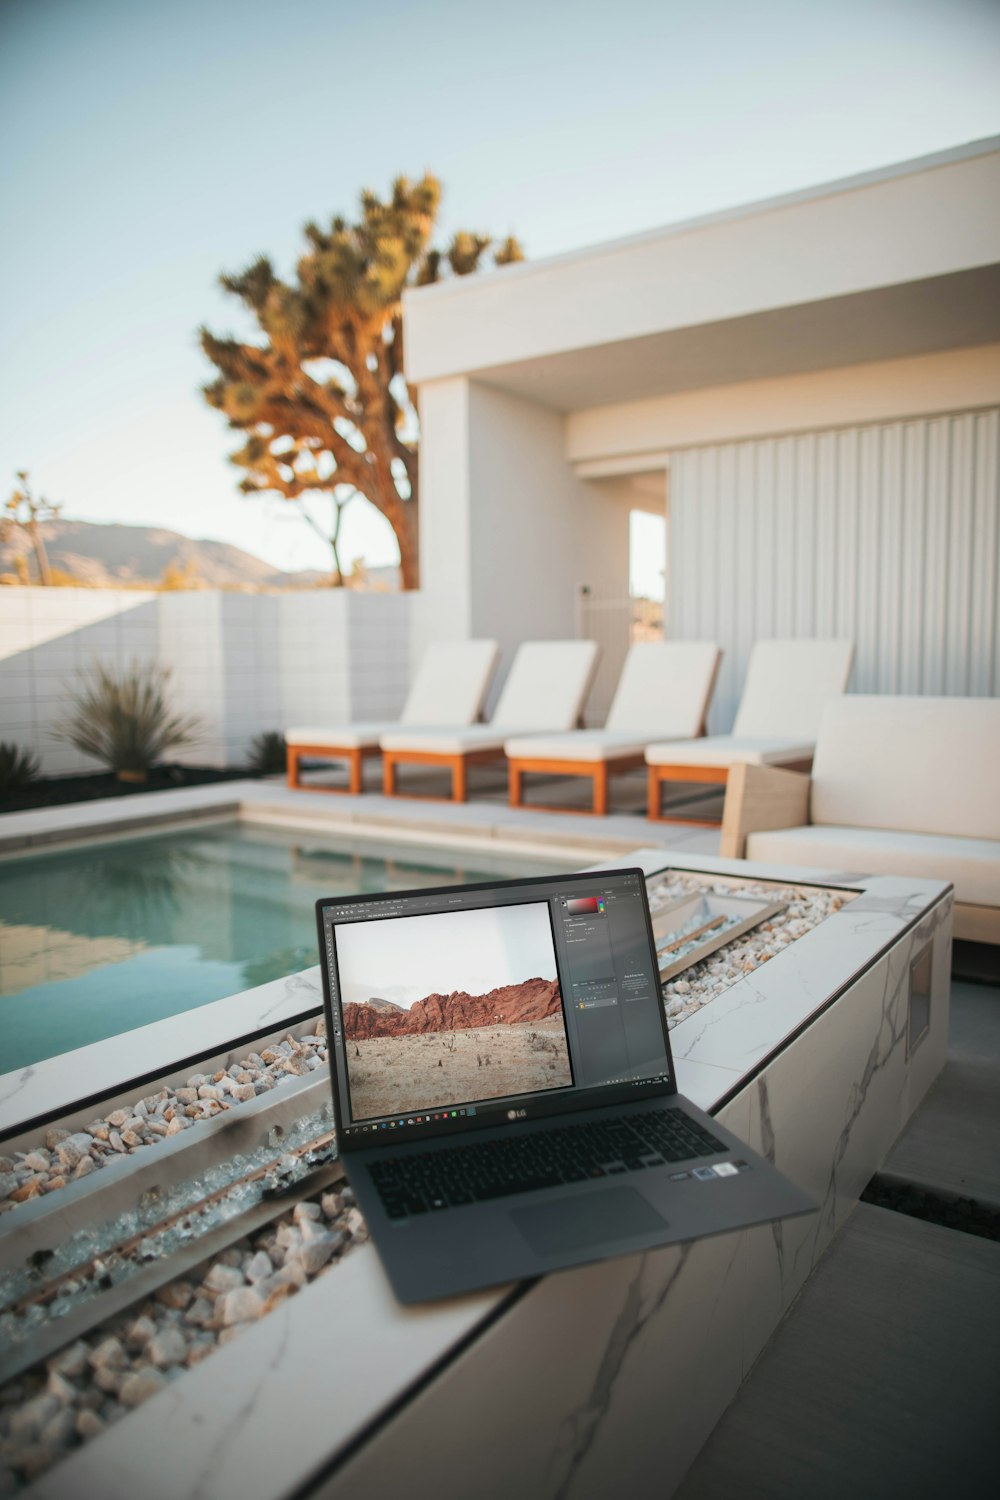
{"type": "Point", "coordinates": [532, 1000]}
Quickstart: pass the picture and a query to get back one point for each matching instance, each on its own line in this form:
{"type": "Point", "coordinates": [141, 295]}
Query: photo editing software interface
{"type": "Point", "coordinates": [475, 1005]}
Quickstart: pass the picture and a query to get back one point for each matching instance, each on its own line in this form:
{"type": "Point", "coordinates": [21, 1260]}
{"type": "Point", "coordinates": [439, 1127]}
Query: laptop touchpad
{"type": "Point", "coordinates": [588, 1219]}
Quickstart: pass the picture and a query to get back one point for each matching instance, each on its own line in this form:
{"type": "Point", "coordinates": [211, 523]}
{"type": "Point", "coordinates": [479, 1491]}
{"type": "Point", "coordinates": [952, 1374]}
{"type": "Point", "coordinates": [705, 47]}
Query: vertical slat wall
{"type": "Point", "coordinates": [889, 535]}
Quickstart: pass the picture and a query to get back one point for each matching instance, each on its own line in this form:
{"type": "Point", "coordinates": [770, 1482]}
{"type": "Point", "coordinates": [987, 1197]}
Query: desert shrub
{"type": "Point", "coordinates": [18, 768]}
{"type": "Point", "coordinates": [125, 720]}
{"type": "Point", "coordinates": [268, 753]}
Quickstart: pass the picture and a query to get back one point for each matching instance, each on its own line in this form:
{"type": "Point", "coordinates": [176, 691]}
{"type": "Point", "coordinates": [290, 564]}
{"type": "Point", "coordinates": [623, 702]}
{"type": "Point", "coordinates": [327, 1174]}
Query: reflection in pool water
{"type": "Point", "coordinates": [103, 938]}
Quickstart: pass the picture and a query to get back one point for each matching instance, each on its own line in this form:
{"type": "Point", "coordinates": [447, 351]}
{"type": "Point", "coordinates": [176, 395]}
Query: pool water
{"type": "Point", "coordinates": [100, 939]}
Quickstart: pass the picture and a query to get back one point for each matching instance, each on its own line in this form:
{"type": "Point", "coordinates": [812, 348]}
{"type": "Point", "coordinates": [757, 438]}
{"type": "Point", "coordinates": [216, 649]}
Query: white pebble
{"type": "Point", "coordinates": [169, 1347]}
{"type": "Point", "coordinates": [108, 1354]}
{"type": "Point", "coordinates": [259, 1266]}
{"type": "Point", "coordinates": [223, 1278]}
{"type": "Point", "coordinates": [140, 1385]}
{"type": "Point", "coordinates": [243, 1305]}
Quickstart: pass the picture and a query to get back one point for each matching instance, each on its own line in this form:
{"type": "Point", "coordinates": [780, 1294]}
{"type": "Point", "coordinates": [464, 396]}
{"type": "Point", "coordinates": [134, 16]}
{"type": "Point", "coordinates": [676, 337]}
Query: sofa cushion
{"type": "Point", "coordinates": [546, 687]}
{"type": "Point", "coordinates": [342, 737]}
{"type": "Point", "coordinates": [451, 683]}
{"type": "Point", "coordinates": [972, 865]}
{"type": "Point", "coordinates": [730, 750]}
{"type": "Point", "coordinates": [664, 689]}
{"type": "Point", "coordinates": [787, 685]}
{"type": "Point", "coordinates": [581, 745]}
{"type": "Point", "coordinates": [920, 765]}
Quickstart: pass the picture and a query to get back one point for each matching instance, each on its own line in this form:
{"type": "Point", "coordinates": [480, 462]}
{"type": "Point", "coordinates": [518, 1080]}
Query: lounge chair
{"type": "Point", "coordinates": [449, 689]}
{"type": "Point", "coordinates": [787, 685]}
{"type": "Point", "coordinates": [545, 690]}
{"type": "Point", "coordinates": [663, 693]}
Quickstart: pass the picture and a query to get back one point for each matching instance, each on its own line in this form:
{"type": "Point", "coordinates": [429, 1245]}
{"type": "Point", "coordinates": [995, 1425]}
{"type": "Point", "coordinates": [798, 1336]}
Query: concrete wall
{"type": "Point", "coordinates": [884, 390]}
{"type": "Point", "coordinates": [888, 534]}
{"type": "Point", "coordinates": [884, 531]}
{"type": "Point", "coordinates": [47, 636]}
{"type": "Point", "coordinates": [244, 663]}
{"type": "Point", "coordinates": [509, 532]}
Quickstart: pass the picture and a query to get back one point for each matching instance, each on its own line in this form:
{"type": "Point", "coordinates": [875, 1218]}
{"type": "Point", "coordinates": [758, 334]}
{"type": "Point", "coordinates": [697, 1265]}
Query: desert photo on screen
{"type": "Point", "coordinates": [451, 1007]}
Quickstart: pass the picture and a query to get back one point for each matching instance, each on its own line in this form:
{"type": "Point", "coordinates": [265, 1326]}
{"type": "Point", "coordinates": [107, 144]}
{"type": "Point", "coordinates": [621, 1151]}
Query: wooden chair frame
{"type": "Point", "coordinates": [600, 771]}
{"type": "Point", "coordinates": [708, 775]}
{"type": "Point", "coordinates": [456, 762]}
{"type": "Point", "coordinates": [354, 755]}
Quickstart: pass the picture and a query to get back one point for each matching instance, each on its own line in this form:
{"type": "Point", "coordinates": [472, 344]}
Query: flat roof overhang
{"type": "Point", "coordinates": [923, 317]}
{"type": "Point", "coordinates": [898, 263]}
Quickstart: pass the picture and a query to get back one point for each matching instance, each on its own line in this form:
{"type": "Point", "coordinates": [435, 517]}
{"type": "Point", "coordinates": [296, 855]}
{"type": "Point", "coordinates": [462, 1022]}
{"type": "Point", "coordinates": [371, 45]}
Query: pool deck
{"type": "Point", "coordinates": [485, 822]}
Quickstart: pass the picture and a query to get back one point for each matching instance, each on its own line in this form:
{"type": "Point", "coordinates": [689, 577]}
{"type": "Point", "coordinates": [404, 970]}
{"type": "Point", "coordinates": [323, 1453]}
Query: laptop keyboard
{"type": "Point", "coordinates": [531, 1159]}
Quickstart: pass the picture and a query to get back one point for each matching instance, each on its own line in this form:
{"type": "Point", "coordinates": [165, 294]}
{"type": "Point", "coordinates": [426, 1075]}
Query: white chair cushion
{"type": "Point", "coordinates": [340, 737]}
{"type": "Point", "coordinates": [444, 740]}
{"type": "Point", "coordinates": [729, 750]}
{"type": "Point", "coordinates": [452, 682]}
{"type": "Point", "coordinates": [972, 865]}
{"type": "Point", "coordinates": [787, 685]}
{"type": "Point", "coordinates": [928, 765]}
{"type": "Point", "coordinates": [583, 745]}
{"type": "Point", "coordinates": [547, 686]}
{"type": "Point", "coordinates": [664, 689]}
{"type": "Point", "coordinates": [450, 688]}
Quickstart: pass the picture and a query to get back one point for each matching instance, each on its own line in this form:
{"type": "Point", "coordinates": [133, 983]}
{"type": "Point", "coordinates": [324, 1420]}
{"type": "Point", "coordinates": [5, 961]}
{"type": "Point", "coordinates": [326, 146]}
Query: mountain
{"type": "Point", "coordinates": [107, 556]}
{"type": "Point", "coordinates": [531, 1000]}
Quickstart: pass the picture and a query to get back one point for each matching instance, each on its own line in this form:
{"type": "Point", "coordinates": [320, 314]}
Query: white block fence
{"type": "Point", "coordinates": [244, 663]}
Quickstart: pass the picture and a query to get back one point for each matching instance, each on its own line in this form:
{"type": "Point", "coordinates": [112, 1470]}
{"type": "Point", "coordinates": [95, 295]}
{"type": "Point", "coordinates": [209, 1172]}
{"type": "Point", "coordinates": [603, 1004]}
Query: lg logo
{"type": "Point", "coordinates": [517, 1114]}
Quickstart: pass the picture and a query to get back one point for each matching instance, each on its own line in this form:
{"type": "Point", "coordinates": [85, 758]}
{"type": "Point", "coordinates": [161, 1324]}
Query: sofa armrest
{"type": "Point", "coordinates": [760, 797]}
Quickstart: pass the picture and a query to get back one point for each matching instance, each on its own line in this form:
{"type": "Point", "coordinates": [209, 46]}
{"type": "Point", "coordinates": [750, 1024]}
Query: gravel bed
{"type": "Point", "coordinates": [57, 1407]}
{"type": "Point", "coordinates": [62, 1156]}
{"type": "Point", "coordinates": [806, 907]}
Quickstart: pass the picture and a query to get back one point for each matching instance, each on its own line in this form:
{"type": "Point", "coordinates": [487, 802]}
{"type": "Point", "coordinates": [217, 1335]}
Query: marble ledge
{"type": "Point", "coordinates": [57, 1083]}
{"type": "Point", "coordinates": [275, 1380]}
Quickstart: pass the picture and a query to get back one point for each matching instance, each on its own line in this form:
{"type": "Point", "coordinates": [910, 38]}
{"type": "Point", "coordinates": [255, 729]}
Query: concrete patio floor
{"type": "Point", "coordinates": [884, 1378]}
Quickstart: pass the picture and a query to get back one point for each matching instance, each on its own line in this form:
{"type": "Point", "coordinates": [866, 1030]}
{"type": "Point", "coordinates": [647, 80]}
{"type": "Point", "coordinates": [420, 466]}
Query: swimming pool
{"type": "Point", "coordinates": [99, 939]}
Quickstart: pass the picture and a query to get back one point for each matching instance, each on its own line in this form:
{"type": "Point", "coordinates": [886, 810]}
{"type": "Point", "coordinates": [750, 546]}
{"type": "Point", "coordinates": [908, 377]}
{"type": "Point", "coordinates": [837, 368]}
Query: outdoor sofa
{"type": "Point", "coordinates": [449, 689]}
{"type": "Point", "coordinates": [545, 691]}
{"type": "Point", "coordinates": [663, 693]}
{"type": "Point", "coordinates": [899, 786]}
{"type": "Point", "coordinates": [788, 682]}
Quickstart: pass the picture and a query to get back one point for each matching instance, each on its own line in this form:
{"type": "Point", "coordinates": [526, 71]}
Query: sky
{"type": "Point", "coordinates": [146, 147]}
{"type": "Point", "coordinates": [404, 959]}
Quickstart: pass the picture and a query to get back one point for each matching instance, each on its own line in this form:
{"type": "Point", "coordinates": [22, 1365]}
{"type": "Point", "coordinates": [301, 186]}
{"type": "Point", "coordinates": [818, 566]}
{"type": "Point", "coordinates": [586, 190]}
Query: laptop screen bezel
{"type": "Point", "coordinates": [560, 1101]}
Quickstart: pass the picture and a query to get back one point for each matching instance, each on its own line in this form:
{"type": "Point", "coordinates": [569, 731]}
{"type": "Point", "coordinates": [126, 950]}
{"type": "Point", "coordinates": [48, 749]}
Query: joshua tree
{"type": "Point", "coordinates": [322, 397]}
{"type": "Point", "coordinates": [24, 511]}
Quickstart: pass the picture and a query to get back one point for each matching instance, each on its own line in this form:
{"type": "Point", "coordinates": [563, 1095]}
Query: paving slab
{"type": "Point", "coordinates": [883, 1380]}
{"type": "Point", "coordinates": [952, 1144]}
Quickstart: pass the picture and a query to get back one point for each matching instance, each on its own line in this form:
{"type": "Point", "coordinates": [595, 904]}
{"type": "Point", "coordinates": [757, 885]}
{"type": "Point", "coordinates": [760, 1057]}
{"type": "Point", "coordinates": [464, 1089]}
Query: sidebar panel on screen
{"type": "Point", "coordinates": [612, 991]}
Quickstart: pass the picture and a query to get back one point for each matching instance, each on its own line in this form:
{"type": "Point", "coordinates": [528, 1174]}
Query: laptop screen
{"type": "Point", "coordinates": [473, 1005]}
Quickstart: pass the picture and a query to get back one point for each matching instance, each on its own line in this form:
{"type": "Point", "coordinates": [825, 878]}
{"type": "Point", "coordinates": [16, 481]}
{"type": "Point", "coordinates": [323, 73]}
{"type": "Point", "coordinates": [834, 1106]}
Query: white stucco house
{"type": "Point", "coordinates": [808, 388]}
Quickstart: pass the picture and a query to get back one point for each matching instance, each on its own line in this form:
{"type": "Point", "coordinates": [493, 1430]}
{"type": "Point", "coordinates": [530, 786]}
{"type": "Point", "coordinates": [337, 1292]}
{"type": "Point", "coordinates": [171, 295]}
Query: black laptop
{"type": "Point", "coordinates": [504, 1093]}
